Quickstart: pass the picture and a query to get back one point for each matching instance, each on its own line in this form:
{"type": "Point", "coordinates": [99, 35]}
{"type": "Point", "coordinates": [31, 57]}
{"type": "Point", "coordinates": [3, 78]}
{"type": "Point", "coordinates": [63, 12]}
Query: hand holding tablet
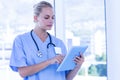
{"type": "Point", "coordinates": [68, 63]}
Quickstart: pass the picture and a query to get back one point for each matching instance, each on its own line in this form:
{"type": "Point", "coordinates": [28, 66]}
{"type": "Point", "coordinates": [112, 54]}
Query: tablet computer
{"type": "Point", "coordinates": [68, 62]}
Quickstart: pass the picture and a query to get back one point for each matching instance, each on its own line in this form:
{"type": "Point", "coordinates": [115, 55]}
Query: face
{"type": "Point", "coordinates": [45, 19]}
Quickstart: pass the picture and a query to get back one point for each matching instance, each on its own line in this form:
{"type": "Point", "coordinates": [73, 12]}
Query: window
{"type": "Point", "coordinates": [84, 24]}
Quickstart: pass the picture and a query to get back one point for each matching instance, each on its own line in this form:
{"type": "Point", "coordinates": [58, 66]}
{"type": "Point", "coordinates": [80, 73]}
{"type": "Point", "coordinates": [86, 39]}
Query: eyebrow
{"type": "Point", "coordinates": [49, 15]}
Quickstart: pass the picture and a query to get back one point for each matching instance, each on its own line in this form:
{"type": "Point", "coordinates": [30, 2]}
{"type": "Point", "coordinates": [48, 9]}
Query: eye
{"type": "Point", "coordinates": [46, 17]}
{"type": "Point", "coordinates": [53, 17]}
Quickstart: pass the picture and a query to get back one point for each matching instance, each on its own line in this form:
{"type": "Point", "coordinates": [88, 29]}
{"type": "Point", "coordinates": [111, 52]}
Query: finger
{"type": "Point", "coordinates": [57, 62]}
{"type": "Point", "coordinates": [59, 58]}
{"type": "Point", "coordinates": [81, 56]}
{"type": "Point", "coordinates": [79, 62]}
{"type": "Point", "coordinates": [78, 59]}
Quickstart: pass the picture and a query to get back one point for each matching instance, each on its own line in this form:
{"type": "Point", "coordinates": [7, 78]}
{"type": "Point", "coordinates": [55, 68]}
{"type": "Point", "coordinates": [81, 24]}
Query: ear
{"type": "Point", "coordinates": [35, 19]}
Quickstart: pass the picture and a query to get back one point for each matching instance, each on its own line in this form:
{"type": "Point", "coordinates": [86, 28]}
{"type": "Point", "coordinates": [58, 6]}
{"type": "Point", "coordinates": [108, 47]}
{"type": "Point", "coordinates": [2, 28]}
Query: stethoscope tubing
{"type": "Point", "coordinates": [50, 43]}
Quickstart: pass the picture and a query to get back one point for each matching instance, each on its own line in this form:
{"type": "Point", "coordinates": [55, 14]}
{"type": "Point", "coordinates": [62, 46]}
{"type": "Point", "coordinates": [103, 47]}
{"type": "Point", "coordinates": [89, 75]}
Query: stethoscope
{"type": "Point", "coordinates": [39, 54]}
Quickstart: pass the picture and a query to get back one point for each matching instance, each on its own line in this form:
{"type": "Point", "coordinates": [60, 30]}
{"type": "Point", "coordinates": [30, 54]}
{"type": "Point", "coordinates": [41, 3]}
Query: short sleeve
{"type": "Point", "coordinates": [18, 57]}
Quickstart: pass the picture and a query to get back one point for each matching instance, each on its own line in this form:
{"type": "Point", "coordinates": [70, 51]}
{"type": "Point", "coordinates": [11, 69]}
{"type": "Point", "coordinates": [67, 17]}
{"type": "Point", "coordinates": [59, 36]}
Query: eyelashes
{"type": "Point", "coordinates": [48, 17]}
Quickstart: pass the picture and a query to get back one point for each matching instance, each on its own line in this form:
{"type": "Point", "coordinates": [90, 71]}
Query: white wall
{"type": "Point", "coordinates": [113, 38]}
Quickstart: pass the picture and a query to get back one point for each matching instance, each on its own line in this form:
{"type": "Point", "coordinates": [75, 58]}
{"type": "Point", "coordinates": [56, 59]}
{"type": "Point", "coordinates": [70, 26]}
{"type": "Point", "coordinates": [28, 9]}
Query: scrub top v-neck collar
{"type": "Point", "coordinates": [38, 40]}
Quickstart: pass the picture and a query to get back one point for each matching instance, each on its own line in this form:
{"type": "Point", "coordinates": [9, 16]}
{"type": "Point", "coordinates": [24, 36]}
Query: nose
{"type": "Point", "coordinates": [51, 20]}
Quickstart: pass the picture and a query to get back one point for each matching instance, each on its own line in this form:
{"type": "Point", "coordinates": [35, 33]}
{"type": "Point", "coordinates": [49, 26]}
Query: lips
{"type": "Point", "coordinates": [49, 25]}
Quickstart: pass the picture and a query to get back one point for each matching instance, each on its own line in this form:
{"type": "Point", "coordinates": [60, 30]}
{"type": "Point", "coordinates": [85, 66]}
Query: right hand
{"type": "Point", "coordinates": [57, 59]}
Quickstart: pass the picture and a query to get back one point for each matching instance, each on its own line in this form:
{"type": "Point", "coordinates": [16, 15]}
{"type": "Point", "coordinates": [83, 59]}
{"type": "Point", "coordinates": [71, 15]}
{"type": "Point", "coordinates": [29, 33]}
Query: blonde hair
{"type": "Point", "coordinates": [38, 7]}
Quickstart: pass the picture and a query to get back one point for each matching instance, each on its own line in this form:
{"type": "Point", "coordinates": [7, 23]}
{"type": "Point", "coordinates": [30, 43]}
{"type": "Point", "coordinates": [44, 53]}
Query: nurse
{"type": "Point", "coordinates": [31, 55]}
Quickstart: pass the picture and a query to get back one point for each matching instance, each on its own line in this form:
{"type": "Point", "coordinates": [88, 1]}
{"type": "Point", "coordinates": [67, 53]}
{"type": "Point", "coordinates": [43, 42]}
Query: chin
{"type": "Point", "coordinates": [49, 29]}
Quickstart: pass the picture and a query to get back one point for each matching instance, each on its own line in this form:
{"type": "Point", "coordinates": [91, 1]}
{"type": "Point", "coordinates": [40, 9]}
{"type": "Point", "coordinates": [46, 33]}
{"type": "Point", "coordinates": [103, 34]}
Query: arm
{"type": "Point", "coordinates": [79, 61]}
{"type": "Point", "coordinates": [30, 70]}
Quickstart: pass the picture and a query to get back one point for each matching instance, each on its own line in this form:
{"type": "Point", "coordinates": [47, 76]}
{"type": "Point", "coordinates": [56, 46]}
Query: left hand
{"type": "Point", "coordinates": [79, 60]}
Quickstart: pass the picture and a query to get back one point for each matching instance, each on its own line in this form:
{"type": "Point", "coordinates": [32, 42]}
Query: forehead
{"type": "Point", "coordinates": [47, 11]}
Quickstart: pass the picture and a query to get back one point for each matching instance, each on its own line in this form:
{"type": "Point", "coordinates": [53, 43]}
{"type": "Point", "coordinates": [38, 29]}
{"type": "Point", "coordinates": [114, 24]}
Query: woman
{"type": "Point", "coordinates": [31, 55]}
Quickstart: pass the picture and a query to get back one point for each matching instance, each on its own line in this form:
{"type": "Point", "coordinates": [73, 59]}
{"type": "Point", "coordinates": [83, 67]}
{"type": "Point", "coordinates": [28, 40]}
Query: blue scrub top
{"type": "Point", "coordinates": [24, 53]}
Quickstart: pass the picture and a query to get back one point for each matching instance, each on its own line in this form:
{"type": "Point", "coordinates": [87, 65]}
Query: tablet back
{"type": "Point", "coordinates": [68, 62]}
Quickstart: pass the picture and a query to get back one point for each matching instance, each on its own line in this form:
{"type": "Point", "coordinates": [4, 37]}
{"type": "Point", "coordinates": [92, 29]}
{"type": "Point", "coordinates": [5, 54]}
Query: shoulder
{"type": "Point", "coordinates": [59, 43]}
{"type": "Point", "coordinates": [56, 40]}
{"type": "Point", "coordinates": [22, 36]}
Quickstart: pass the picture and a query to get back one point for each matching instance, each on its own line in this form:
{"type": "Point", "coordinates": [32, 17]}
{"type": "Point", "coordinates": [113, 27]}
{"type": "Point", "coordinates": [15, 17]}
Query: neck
{"type": "Point", "coordinates": [42, 34]}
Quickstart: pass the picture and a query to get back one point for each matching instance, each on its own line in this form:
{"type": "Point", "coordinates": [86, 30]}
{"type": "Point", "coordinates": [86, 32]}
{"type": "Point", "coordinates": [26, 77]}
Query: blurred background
{"type": "Point", "coordinates": [82, 23]}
